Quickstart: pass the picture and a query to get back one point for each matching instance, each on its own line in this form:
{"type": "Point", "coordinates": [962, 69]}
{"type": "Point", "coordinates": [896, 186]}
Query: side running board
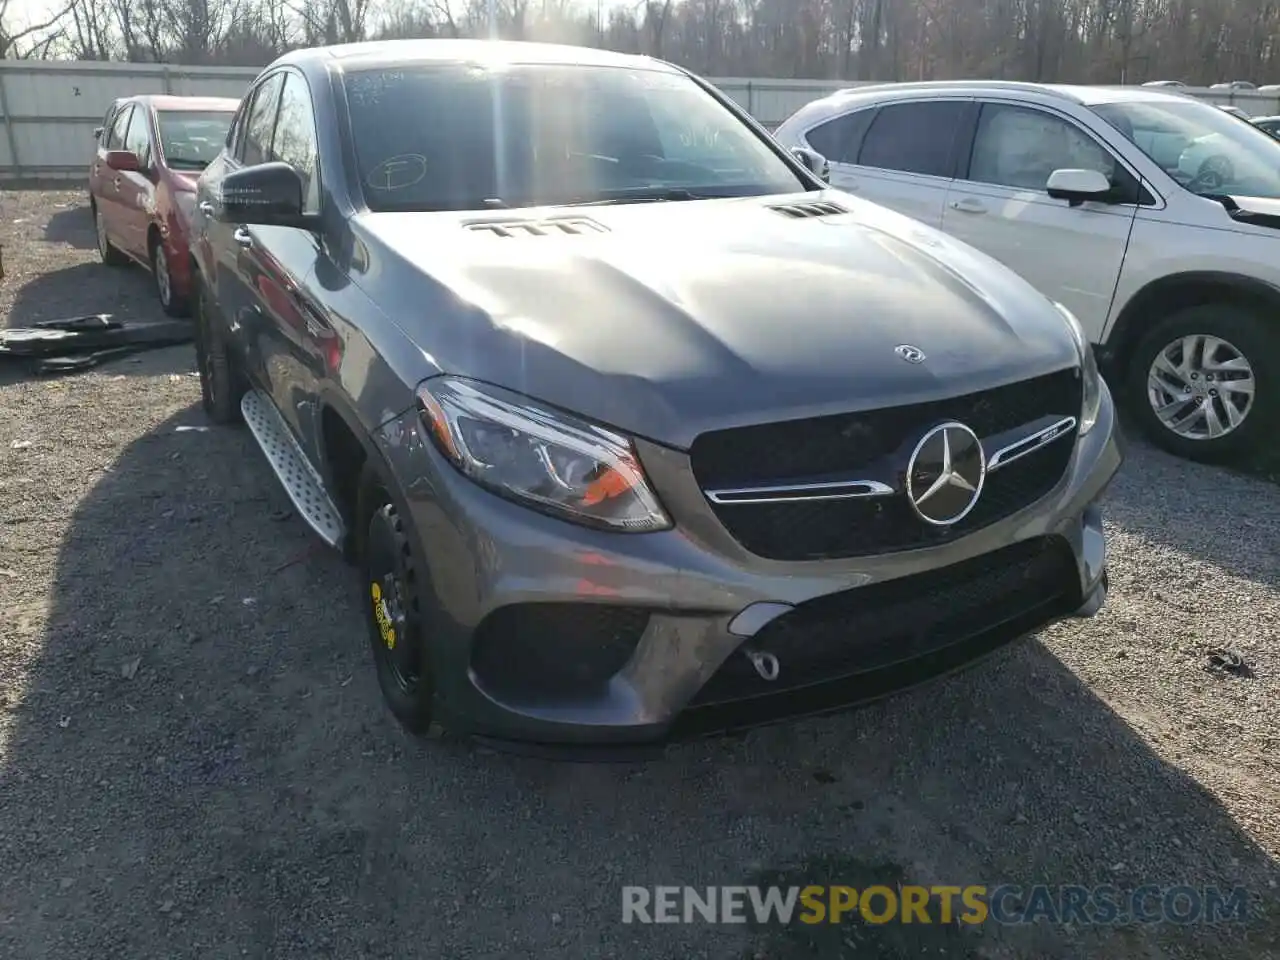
{"type": "Point", "coordinates": [294, 470]}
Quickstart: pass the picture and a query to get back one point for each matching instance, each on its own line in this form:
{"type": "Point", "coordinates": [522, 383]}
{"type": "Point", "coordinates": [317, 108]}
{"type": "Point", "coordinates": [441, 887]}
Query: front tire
{"type": "Point", "coordinates": [106, 250]}
{"type": "Point", "coordinates": [395, 588]}
{"type": "Point", "coordinates": [1204, 382]}
{"type": "Point", "coordinates": [222, 385]}
{"type": "Point", "coordinates": [171, 301]}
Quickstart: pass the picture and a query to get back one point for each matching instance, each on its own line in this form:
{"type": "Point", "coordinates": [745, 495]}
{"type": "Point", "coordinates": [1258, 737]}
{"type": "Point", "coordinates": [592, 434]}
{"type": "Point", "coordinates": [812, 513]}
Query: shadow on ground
{"type": "Point", "coordinates": [83, 290]}
{"type": "Point", "coordinates": [1197, 509]}
{"type": "Point", "coordinates": [72, 226]}
{"type": "Point", "coordinates": [86, 288]}
{"type": "Point", "coordinates": [201, 767]}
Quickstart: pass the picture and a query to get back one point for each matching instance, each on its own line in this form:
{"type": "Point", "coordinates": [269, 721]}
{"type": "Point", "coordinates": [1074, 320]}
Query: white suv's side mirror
{"type": "Point", "coordinates": [815, 162]}
{"type": "Point", "coordinates": [1077, 186]}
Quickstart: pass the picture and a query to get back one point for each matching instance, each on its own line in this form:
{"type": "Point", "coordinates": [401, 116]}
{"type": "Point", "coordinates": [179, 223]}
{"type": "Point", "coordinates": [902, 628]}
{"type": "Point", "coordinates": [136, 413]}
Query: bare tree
{"type": "Point", "coordinates": [1089, 41]}
{"type": "Point", "coordinates": [29, 41]}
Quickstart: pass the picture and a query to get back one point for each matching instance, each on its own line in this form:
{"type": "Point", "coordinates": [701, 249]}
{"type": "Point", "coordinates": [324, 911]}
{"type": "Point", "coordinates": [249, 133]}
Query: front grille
{"type": "Point", "coordinates": [854, 446]}
{"type": "Point", "coordinates": [528, 650]}
{"type": "Point", "coordinates": [874, 628]}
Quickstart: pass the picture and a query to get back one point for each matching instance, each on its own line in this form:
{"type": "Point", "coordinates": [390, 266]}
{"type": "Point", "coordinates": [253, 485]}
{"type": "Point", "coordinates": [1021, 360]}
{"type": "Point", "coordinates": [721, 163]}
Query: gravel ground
{"type": "Point", "coordinates": [194, 761]}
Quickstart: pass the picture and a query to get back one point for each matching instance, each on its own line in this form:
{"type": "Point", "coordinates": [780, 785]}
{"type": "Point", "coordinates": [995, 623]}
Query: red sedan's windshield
{"type": "Point", "coordinates": [191, 139]}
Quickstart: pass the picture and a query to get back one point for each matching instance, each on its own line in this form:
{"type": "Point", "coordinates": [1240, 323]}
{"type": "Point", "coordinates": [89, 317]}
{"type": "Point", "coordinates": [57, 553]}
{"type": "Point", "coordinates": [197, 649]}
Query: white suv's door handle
{"type": "Point", "coordinates": [969, 205]}
{"type": "Point", "coordinates": [242, 237]}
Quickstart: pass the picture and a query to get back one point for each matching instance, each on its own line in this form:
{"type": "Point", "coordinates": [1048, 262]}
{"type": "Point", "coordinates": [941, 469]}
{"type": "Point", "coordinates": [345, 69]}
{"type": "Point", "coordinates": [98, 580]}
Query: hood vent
{"type": "Point", "coordinates": [803, 211]}
{"type": "Point", "coordinates": [556, 227]}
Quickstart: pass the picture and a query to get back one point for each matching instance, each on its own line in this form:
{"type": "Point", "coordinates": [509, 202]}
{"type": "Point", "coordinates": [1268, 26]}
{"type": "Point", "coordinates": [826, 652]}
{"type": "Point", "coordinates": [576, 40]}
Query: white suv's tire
{"type": "Point", "coordinates": [1204, 382]}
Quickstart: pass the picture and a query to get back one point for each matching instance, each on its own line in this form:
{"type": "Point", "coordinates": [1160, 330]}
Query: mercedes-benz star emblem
{"type": "Point", "coordinates": [945, 474]}
{"type": "Point", "coordinates": [909, 353]}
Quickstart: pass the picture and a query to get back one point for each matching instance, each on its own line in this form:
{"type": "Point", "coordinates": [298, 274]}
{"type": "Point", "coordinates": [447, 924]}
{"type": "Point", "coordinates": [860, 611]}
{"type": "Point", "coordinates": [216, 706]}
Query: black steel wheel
{"type": "Point", "coordinates": [393, 586]}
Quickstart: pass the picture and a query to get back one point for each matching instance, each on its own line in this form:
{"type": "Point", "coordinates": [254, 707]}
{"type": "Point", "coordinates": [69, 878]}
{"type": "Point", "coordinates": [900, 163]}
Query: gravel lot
{"type": "Point", "coordinates": [194, 761]}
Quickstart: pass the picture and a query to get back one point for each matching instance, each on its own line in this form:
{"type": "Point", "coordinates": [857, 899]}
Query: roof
{"type": "Point", "coordinates": [1083, 95]}
{"type": "Point", "coordinates": [159, 101]}
{"type": "Point", "coordinates": [373, 54]}
{"type": "Point", "coordinates": [1089, 96]}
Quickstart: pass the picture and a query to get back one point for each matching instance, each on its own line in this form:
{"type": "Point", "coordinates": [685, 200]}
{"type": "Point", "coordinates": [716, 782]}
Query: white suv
{"type": "Point", "coordinates": [1153, 217]}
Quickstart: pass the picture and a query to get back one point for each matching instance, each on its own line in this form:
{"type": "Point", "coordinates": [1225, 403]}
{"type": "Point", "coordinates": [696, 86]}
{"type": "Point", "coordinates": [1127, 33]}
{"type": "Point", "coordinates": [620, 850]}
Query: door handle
{"type": "Point", "coordinates": [242, 237]}
{"type": "Point", "coordinates": [117, 183]}
{"type": "Point", "coordinates": [969, 205]}
{"type": "Point", "coordinates": [206, 208]}
{"type": "Point", "coordinates": [313, 319]}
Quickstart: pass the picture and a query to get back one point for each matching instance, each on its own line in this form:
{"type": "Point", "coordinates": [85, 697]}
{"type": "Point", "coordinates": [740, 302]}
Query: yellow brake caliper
{"type": "Point", "coordinates": [385, 627]}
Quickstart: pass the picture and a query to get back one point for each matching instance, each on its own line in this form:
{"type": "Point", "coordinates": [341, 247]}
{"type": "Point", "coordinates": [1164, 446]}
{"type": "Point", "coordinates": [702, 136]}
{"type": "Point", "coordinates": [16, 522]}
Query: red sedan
{"type": "Point", "coordinates": [142, 183]}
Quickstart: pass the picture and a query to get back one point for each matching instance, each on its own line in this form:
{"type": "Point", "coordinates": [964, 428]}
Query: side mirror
{"type": "Point", "coordinates": [814, 162]}
{"type": "Point", "coordinates": [97, 133]}
{"type": "Point", "coordinates": [1077, 186]}
{"type": "Point", "coordinates": [124, 161]}
{"type": "Point", "coordinates": [266, 194]}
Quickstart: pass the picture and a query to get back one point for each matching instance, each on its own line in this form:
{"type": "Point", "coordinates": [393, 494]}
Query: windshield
{"type": "Point", "coordinates": [1205, 149]}
{"type": "Point", "coordinates": [460, 137]}
{"type": "Point", "coordinates": [191, 140]}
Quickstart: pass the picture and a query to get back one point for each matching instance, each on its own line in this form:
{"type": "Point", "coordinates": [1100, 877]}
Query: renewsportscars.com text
{"type": "Point", "coordinates": [936, 904]}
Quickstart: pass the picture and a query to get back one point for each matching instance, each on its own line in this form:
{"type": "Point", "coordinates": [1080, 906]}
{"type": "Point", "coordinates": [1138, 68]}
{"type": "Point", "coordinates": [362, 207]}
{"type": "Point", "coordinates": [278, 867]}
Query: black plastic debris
{"type": "Point", "coordinates": [78, 343]}
{"type": "Point", "coordinates": [1222, 663]}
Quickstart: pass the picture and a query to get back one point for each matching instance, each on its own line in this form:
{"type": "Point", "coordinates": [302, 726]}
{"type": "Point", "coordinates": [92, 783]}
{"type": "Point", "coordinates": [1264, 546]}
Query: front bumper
{"type": "Point", "coordinates": [640, 638]}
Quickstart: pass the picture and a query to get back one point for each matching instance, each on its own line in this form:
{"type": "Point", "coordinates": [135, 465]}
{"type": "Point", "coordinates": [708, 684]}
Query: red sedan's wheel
{"type": "Point", "coordinates": [110, 255]}
{"type": "Point", "coordinates": [173, 303]}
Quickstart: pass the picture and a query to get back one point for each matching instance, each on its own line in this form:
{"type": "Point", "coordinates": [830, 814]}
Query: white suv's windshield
{"type": "Point", "coordinates": [1205, 149]}
{"type": "Point", "coordinates": [460, 137]}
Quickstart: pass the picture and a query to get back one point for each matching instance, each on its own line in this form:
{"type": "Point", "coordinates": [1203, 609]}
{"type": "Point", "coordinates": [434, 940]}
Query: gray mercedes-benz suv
{"type": "Point", "coordinates": [632, 426]}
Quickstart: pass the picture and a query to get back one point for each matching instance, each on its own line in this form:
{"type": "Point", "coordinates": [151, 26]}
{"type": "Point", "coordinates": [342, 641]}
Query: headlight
{"type": "Point", "coordinates": [543, 458]}
{"type": "Point", "coordinates": [1089, 375]}
{"type": "Point", "coordinates": [1092, 390]}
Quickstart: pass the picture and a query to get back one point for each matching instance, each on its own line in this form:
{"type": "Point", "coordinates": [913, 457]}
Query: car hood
{"type": "Point", "coordinates": [668, 319]}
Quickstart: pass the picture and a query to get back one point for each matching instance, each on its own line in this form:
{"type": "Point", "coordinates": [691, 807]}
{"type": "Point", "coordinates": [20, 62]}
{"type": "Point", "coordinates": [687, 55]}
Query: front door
{"type": "Point", "coordinates": [296, 342]}
{"type": "Point", "coordinates": [105, 183]}
{"type": "Point", "coordinates": [235, 265]}
{"type": "Point", "coordinates": [136, 189]}
{"type": "Point", "coordinates": [1000, 205]}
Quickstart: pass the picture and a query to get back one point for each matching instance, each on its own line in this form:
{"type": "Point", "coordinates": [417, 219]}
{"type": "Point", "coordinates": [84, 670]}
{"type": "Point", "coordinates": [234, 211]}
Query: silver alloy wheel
{"type": "Point", "coordinates": [1200, 387]}
{"type": "Point", "coordinates": [104, 246]}
{"type": "Point", "coordinates": [162, 275]}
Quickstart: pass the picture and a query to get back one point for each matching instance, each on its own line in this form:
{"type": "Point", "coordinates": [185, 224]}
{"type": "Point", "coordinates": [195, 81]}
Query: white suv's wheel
{"type": "Point", "coordinates": [1203, 382]}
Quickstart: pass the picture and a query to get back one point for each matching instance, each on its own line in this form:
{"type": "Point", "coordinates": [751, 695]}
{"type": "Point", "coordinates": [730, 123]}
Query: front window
{"type": "Point", "coordinates": [463, 137]}
{"type": "Point", "coordinates": [191, 140]}
{"type": "Point", "coordinates": [1207, 151]}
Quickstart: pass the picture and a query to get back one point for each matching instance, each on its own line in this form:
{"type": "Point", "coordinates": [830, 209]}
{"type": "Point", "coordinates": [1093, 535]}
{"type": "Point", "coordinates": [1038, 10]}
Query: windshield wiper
{"type": "Point", "coordinates": [641, 196]}
{"type": "Point", "coordinates": [187, 162]}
